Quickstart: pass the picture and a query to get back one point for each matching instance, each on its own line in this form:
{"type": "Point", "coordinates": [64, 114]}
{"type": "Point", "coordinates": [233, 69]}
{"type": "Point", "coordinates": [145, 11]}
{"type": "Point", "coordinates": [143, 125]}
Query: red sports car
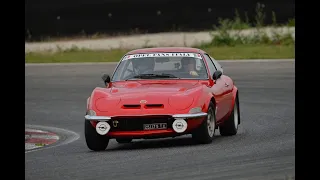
{"type": "Point", "coordinates": [162, 92]}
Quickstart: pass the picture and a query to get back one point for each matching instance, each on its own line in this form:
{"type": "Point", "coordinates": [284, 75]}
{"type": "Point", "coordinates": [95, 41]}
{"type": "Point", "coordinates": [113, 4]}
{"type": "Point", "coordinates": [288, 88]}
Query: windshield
{"type": "Point", "coordinates": [161, 66]}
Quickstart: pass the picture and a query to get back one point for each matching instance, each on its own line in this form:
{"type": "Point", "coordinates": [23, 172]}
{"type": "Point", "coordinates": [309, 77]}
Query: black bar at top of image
{"type": "Point", "coordinates": [68, 18]}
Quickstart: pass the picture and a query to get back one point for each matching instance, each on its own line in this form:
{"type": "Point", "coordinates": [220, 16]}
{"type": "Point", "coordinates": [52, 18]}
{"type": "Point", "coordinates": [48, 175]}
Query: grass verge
{"type": "Point", "coordinates": [218, 52]}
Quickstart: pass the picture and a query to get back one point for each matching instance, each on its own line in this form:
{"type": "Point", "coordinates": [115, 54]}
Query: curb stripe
{"type": "Point", "coordinates": [29, 146]}
{"type": "Point", "coordinates": [69, 137]}
{"type": "Point", "coordinates": [41, 141]}
{"type": "Point", "coordinates": [44, 137]}
{"type": "Point", "coordinates": [37, 138]}
{"type": "Point", "coordinates": [39, 133]}
{"type": "Point", "coordinates": [33, 130]}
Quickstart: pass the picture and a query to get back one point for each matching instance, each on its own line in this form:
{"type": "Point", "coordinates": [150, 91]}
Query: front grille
{"type": "Point", "coordinates": [136, 123]}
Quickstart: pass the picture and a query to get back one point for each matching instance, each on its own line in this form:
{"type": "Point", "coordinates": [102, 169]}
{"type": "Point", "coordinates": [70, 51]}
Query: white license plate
{"type": "Point", "coordinates": [155, 126]}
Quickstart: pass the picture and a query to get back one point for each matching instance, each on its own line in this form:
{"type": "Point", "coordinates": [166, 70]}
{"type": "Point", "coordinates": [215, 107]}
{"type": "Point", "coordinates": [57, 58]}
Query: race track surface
{"type": "Point", "coordinates": [263, 149]}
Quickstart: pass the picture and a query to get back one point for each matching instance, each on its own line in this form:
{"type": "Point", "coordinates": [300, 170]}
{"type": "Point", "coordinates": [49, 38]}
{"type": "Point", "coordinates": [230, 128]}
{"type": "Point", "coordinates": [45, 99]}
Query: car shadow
{"type": "Point", "coordinates": [160, 143]}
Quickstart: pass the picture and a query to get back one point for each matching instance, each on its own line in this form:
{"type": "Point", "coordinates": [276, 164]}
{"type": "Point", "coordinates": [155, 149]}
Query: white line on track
{"type": "Point", "coordinates": [33, 130]}
{"type": "Point", "coordinates": [32, 146]}
{"type": "Point", "coordinates": [43, 136]}
{"type": "Point", "coordinates": [114, 63]}
{"type": "Point", "coordinates": [70, 136]}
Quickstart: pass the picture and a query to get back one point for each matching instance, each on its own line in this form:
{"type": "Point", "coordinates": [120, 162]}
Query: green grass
{"type": "Point", "coordinates": [75, 56]}
{"type": "Point", "coordinates": [220, 53]}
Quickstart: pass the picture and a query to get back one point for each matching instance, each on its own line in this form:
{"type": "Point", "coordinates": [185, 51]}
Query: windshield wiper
{"type": "Point", "coordinates": [152, 76]}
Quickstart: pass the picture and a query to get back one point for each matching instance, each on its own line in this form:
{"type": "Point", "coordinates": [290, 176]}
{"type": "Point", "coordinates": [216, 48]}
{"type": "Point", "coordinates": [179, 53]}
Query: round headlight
{"type": "Point", "coordinates": [91, 113]}
{"type": "Point", "coordinates": [195, 110]}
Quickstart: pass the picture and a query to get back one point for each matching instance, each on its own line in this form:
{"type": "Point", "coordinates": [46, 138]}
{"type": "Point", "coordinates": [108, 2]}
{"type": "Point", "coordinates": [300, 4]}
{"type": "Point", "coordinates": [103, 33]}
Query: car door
{"type": "Point", "coordinates": [228, 84]}
{"type": "Point", "coordinates": [218, 90]}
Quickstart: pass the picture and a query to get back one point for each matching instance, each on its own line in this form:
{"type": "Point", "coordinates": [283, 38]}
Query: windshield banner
{"type": "Point", "coordinates": [132, 56]}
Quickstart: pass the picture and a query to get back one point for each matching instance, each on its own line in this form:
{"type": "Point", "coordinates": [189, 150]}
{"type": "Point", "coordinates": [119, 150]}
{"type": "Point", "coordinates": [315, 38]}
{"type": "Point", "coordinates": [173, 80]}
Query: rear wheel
{"type": "Point", "coordinates": [95, 141]}
{"type": "Point", "coordinates": [230, 126]}
{"type": "Point", "coordinates": [205, 133]}
{"type": "Point", "coordinates": [123, 140]}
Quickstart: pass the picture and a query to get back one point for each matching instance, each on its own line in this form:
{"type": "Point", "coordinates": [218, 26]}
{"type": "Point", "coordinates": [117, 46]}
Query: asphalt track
{"type": "Point", "coordinates": [263, 149]}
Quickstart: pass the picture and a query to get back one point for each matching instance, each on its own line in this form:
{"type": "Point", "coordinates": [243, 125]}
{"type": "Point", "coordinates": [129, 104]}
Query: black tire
{"type": "Point", "coordinates": [95, 141]}
{"type": "Point", "coordinates": [124, 140]}
{"type": "Point", "coordinates": [201, 135]}
{"type": "Point", "coordinates": [230, 126]}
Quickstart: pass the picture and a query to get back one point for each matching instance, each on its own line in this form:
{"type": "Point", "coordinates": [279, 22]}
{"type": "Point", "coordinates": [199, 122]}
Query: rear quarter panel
{"type": "Point", "coordinates": [218, 94]}
{"type": "Point", "coordinates": [97, 93]}
{"type": "Point", "coordinates": [231, 98]}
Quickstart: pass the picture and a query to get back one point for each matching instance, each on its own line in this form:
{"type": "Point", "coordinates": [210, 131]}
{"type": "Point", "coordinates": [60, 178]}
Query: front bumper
{"type": "Point", "coordinates": [182, 116]}
{"type": "Point", "coordinates": [97, 118]}
{"type": "Point", "coordinates": [132, 126]}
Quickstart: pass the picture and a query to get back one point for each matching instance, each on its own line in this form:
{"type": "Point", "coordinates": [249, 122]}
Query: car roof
{"type": "Point", "coordinates": [166, 49]}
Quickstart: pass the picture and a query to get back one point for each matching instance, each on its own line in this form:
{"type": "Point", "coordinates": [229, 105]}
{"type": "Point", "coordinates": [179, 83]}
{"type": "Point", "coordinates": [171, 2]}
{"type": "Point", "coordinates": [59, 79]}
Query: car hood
{"type": "Point", "coordinates": [150, 87]}
{"type": "Point", "coordinates": [150, 95]}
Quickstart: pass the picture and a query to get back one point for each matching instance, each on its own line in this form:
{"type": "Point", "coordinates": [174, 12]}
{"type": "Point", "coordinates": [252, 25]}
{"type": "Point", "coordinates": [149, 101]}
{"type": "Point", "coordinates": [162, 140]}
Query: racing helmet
{"type": "Point", "coordinates": [185, 61]}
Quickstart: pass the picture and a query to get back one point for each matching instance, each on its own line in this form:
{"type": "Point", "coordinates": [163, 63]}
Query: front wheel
{"type": "Point", "coordinates": [205, 133]}
{"type": "Point", "coordinates": [95, 141]}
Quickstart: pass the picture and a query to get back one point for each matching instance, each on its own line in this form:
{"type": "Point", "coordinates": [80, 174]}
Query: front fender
{"type": "Point", "coordinates": [88, 100]}
{"type": "Point", "coordinates": [204, 99]}
{"type": "Point", "coordinates": [96, 94]}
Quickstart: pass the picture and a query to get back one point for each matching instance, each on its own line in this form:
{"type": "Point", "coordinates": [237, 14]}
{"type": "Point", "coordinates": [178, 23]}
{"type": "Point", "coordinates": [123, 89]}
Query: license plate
{"type": "Point", "coordinates": [155, 126]}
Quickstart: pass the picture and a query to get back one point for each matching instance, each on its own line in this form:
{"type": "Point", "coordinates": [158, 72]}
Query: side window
{"type": "Point", "coordinates": [123, 70]}
{"type": "Point", "coordinates": [217, 65]}
{"type": "Point", "coordinates": [211, 66]}
{"type": "Point", "coordinates": [128, 70]}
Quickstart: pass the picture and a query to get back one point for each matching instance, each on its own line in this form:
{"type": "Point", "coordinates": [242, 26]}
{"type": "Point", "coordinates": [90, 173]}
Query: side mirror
{"type": "Point", "coordinates": [106, 79]}
{"type": "Point", "coordinates": [216, 75]}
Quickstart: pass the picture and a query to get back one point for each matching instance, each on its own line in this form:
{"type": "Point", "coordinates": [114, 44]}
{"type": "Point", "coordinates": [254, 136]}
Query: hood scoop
{"type": "Point", "coordinates": [152, 106]}
{"type": "Point", "coordinates": [131, 106]}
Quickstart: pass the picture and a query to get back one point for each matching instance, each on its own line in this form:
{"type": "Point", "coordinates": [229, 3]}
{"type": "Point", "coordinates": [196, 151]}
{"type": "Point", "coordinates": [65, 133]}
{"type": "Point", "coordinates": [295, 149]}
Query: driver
{"type": "Point", "coordinates": [189, 65]}
{"type": "Point", "coordinates": [143, 65]}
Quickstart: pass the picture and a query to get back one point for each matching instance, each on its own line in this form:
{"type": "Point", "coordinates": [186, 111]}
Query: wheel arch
{"type": "Point", "coordinates": [236, 100]}
{"type": "Point", "coordinates": [88, 101]}
{"type": "Point", "coordinates": [213, 100]}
